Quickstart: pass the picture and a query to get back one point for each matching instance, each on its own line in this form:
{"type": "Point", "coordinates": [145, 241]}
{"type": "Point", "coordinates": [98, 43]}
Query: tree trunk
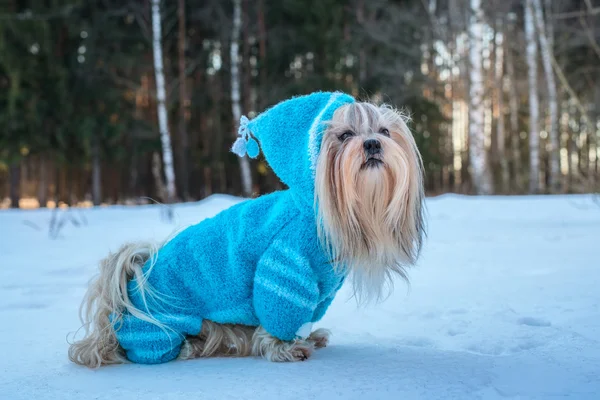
{"type": "Point", "coordinates": [57, 184]}
{"type": "Point", "coordinates": [596, 135]}
{"type": "Point", "coordinates": [14, 172]}
{"type": "Point", "coordinates": [568, 146]}
{"type": "Point", "coordinates": [222, 177]}
{"type": "Point", "coordinates": [432, 8]}
{"type": "Point", "coordinates": [490, 117]}
{"type": "Point", "coordinates": [571, 151]}
{"type": "Point", "coordinates": [133, 174]}
{"type": "Point", "coordinates": [43, 182]}
{"type": "Point", "coordinates": [482, 181]}
{"type": "Point", "coordinates": [465, 179]}
{"type": "Point", "coordinates": [362, 57]}
{"type": "Point", "coordinates": [207, 181]}
{"type": "Point", "coordinates": [274, 182]}
{"type": "Point", "coordinates": [591, 154]}
{"type": "Point", "coordinates": [217, 94]}
{"type": "Point", "coordinates": [183, 105]}
{"type": "Point", "coordinates": [161, 190]}
{"type": "Point", "coordinates": [546, 51]}
{"type": "Point", "coordinates": [235, 93]}
{"type": "Point", "coordinates": [247, 67]}
{"type": "Point", "coordinates": [513, 100]}
{"type": "Point", "coordinates": [96, 172]}
{"type": "Point", "coordinates": [15, 167]}
{"type": "Point", "coordinates": [500, 127]}
{"type": "Point", "coordinates": [262, 49]}
{"type": "Point", "coordinates": [534, 133]}
{"type": "Point", "coordinates": [583, 152]}
{"type": "Point", "coordinates": [549, 23]}
{"type": "Point", "coordinates": [69, 181]}
{"type": "Point", "coordinates": [161, 105]}
{"type": "Point", "coordinates": [595, 171]}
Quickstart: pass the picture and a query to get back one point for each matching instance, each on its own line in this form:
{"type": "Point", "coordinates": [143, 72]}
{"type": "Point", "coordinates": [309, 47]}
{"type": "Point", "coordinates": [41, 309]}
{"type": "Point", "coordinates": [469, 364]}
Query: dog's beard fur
{"type": "Point", "coordinates": [370, 213]}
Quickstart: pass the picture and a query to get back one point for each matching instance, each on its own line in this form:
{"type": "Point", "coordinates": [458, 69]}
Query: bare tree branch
{"type": "Point", "coordinates": [435, 24]}
{"type": "Point", "coordinates": [143, 22]}
{"type": "Point", "coordinates": [590, 36]}
{"type": "Point", "coordinates": [65, 12]}
{"type": "Point", "coordinates": [169, 25]}
{"type": "Point", "coordinates": [189, 70]}
{"type": "Point", "coordinates": [575, 14]}
{"type": "Point", "coordinates": [129, 84]}
{"type": "Point", "coordinates": [565, 83]}
{"type": "Point", "coordinates": [28, 15]}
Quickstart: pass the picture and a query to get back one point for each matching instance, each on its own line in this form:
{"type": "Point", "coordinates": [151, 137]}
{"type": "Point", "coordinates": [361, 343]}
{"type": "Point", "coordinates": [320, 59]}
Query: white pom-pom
{"type": "Point", "coordinates": [245, 144]}
{"type": "Point", "coordinates": [239, 147]}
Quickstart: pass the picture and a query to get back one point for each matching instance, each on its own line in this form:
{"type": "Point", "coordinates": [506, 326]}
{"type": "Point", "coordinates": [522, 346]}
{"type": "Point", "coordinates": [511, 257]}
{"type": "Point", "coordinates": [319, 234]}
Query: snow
{"type": "Point", "coordinates": [505, 303]}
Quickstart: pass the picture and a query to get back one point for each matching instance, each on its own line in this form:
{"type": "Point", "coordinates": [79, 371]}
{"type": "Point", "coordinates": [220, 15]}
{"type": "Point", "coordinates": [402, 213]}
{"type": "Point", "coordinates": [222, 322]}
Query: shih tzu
{"type": "Point", "coordinates": [253, 279]}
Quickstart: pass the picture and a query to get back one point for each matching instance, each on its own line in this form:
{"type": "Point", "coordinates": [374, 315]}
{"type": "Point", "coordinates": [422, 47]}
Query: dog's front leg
{"type": "Point", "coordinates": [285, 297]}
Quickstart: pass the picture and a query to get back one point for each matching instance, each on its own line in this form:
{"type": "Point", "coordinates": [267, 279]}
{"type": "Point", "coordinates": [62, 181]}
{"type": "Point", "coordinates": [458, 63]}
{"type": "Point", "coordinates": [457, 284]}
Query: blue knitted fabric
{"type": "Point", "coordinates": [256, 263]}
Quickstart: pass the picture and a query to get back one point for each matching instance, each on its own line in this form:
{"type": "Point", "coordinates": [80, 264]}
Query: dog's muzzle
{"type": "Point", "coordinates": [373, 153]}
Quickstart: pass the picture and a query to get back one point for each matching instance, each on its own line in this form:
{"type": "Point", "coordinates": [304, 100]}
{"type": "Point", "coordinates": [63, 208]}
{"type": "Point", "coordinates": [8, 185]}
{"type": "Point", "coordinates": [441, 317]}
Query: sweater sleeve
{"type": "Point", "coordinates": [286, 292]}
{"type": "Point", "coordinates": [147, 343]}
{"type": "Point", "coordinates": [324, 305]}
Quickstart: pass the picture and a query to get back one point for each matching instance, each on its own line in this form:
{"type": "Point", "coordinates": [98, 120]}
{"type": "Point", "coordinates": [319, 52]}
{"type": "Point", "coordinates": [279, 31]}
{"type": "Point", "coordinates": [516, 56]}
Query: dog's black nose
{"type": "Point", "coordinates": [372, 146]}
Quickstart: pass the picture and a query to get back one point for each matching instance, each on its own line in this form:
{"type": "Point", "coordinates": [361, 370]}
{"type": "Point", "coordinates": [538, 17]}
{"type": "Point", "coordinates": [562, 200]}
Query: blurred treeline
{"type": "Point", "coordinates": [78, 98]}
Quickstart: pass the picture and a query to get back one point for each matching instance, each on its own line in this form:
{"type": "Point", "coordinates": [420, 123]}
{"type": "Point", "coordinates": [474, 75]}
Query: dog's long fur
{"type": "Point", "coordinates": [370, 221]}
{"type": "Point", "coordinates": [106, 295]}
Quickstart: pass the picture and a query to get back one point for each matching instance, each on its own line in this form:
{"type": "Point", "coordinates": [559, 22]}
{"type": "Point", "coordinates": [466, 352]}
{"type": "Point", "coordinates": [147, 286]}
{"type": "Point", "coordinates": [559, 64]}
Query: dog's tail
{"type": "Point", "coordinates": [105, 302]}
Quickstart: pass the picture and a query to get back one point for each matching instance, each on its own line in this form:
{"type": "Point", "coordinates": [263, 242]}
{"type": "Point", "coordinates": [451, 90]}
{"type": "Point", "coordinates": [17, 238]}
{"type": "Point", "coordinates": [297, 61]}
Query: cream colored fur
{"type": "Point", "coordinates": [240, 341]}
{"type": "Point", "coordinates": [107, 294]}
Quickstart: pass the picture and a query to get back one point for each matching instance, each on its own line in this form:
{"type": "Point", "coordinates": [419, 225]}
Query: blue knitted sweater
{"type": "Point", "coordinates": [256, 263]}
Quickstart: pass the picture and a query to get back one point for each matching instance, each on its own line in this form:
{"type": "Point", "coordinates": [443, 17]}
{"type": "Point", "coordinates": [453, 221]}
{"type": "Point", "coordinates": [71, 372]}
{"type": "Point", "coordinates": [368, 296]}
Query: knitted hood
{"type": "Point", "coordinates": [290, 136]}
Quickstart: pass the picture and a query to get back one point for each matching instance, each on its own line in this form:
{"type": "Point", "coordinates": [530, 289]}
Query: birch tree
{"type": "Point", "coordinates": [546, 50]}
{"type": "Point", "coordinates": [534, 133]}
{"type": "Point", "coordinates": [235, 92]}
{"type": "Point", "coordinates": [163, 123]}
{"type": "Point", "coordinates": [482, 180]}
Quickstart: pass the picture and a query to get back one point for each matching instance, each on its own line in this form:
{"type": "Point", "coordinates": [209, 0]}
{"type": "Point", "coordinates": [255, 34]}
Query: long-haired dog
{"type": "Point", "coordinates": [368, 213]}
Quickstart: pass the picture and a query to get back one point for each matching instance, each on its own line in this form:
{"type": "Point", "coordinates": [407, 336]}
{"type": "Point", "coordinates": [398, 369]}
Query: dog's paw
{"type": "Point", "coordinates": [301, 352]}
{"type": "Point", "coordinates": [319, 338]}
{"type": "Point", "coordinates": [289, 351]}
{"type": "Point", "coordinates": [192, 348]}
{"type": "Point", "coordinates": [273, 349]}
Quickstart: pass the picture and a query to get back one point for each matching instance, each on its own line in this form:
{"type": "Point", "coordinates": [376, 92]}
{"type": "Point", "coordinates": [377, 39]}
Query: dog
{"type": "Point", "coordinates": [354, 208]}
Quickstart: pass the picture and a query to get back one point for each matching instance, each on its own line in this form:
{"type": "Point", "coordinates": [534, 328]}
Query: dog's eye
{"type": "Point", "coordinates": [384, 132]}
{"type": "Point", "coordinates": [346, 135]}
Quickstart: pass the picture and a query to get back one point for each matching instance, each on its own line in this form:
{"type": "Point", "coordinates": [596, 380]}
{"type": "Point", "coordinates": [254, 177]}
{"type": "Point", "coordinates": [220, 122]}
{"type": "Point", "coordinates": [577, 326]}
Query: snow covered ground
{"type": "Point", "coordinates": [504, 304]}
